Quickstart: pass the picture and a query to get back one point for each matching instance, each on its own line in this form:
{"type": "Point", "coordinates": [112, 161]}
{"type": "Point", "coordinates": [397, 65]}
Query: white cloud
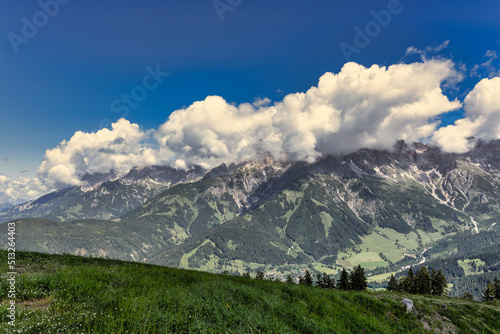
{"type": "Point", "coordinates": [358, 107]}
{"type": "Point", "coordinates": [482, 108]}
{"type": "Point", "coordinates": [429, 50]}
{"type": "Point", "coordinates": [14, 191]}
{"type": "Point", "coordinates": [487, 68]}
{"type": "Point", "coordinates": [212, 131]}
{"type": "Point", "coordinates": [121, 148]}
{"type": "Point", "coordinates": [260, 102]}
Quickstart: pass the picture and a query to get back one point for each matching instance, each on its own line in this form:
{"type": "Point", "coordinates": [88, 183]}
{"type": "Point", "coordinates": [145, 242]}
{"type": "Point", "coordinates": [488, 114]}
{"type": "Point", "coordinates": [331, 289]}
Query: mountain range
{"type": "Point", "coordinates": [5, 206]}
{"type": "Point", "coordinates": [102, 195]}
{"type": "Point", "coordinates": [385, 210]}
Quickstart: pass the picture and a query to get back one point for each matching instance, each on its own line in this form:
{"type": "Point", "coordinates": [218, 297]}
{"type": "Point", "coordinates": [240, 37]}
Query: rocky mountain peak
{"type": "Point", "coordinates": [486, 153]}
{"type": "Point", "coordinates": [163, 174]}
{"type": "Point", "coordinates": [91, 181]}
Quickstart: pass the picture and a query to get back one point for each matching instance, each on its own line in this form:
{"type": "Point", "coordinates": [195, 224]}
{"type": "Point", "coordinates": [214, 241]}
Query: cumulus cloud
{"type": "Point", "coordinates": [358, 107]}
{"type": "Point", "coordinates": [124, 146]}
{"type": "Point", "coordinates": [213, 131]}
{"type": "Point", "coordinates": [482, 108]}
{"type": "Point", "coordinates": [14, 191]}
{"type": "Point", "coordinates": [435, 51]}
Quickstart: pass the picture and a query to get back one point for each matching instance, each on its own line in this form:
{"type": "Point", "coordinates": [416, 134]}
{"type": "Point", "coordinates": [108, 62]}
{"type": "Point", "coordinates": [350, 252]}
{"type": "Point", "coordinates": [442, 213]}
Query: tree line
{"type": "Point", "coordinates": [422, 282]}
{"type": "Point", "coordinates": [355, 280]}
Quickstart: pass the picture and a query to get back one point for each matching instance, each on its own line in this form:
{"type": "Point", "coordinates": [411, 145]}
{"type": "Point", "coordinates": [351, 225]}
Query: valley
{"type": "Point", "coordinates": [382, 210]}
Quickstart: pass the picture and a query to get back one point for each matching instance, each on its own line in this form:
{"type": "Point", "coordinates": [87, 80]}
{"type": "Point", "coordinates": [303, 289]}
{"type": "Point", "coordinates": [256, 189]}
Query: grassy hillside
{"type": "Point", "coordinates": [69, 294]}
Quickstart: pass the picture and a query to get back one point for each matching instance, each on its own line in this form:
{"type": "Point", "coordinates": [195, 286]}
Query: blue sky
{"type": "Point", "coordinates": [65, 78]}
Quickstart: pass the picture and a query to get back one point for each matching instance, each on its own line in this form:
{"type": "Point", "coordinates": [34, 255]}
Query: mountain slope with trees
{"type": "Point", "coordinates": [378, 209]}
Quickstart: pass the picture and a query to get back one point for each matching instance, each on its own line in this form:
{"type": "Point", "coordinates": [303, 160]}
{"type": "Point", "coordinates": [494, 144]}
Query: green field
{"type": "Point", "coordinates": [69, 294]}
{"type": "Point", "coordinates": [367, 260]}
{"type": "Point", "coordinates": [379, 278]}
{"type": "Point", "coordinates": [391, 244]}
{"type": "Point", "coordinates": [408, 241]}
{"type": "Point", "coordinates": [469, 264]}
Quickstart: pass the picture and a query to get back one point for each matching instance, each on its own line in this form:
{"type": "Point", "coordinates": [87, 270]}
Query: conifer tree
{"type": "Point", "coordinates": [444, 282]}
{"type": "Point", "coordinates": [420, 283]}
{"type": "Point", "coordinates": [357, 279]}
{"type": "Point", "coordinates": [392, 285]}
{"type": "Point", "coordinates": [289, 279]}
{"type": "Point", "coordinates": [403, 284]}
{"type": "Point", "coordinates": [438, 283]}
{"type": "Point", "coordinates": [319, 281]}
{"type": "Point", "coordinates": [410, 282]}
{"type": "Point", "coordinates": [328, 281]}
{"type": "Point", "coordinates": [496, 285]}
{"type": "Point", "coordinates": [434, 289]}
{"type": "Point", "coordinates": [489, 291]}
{"type": "Point", "coordinates": [343, 283]}
{"type": "Point", "coordinates": [260, 275]}
{"type": "Point", "coordinates": [423, 282]}
{"type": "Point", "coordinates": [363, 282]}
{"type": "Point", "coordinates": [308, 280]}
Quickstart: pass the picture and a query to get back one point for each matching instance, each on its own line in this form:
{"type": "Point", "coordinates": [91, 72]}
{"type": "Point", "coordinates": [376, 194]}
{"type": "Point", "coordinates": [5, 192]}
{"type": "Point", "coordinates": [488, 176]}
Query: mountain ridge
{"type": "Point", "coordinates": [88, 200]}
{"type": "Point", "coordinates": [382, 209]}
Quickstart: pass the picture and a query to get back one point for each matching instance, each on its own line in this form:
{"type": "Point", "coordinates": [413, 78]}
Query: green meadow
{"type": "Point", "coordinates": [70, 294]}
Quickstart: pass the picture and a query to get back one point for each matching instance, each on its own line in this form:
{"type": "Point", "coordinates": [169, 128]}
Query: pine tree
{"type": "Point", "coordinates": [423, 282]}
{"type": "Point", "coordinates": [410, 282]}
{"type": "Point", "coordinates": [319, 281]}
{"type": "Point", "coordinates": [343, 283]}
{"type": "Point", "coordinates": [434, 289]}
{"type": "Point", "coordinates": [392, 285]}
{"type": "Point", "coordinates": [438, 283]}
{"type": "Point", "coordinates": [403, 284]}
{"type": "Point", "coordinates": [289, 279]}
{"type": "Point", "coordinates": [260, 275]}
{"type": "Point", "coordinates": [246, 274]}
{"type": "Point", "coordinates": [308, 280]}
{"type": "Point", "coordinates": [489, 291]}
{"type": "Point", "coordinates": [496, 285]}
{"type": "Point", "coordinates": [363, 282]}
{"type": "Point", "coordinates": [352, 280]}
{"type": "Point", "coordinates": [357, 279]}
{"type": "Point", "coordinates": [328, 281]}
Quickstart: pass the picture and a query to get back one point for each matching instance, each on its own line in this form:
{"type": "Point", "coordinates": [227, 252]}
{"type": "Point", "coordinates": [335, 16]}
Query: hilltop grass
{"type": "Point", "coordinates": [70, 294]}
